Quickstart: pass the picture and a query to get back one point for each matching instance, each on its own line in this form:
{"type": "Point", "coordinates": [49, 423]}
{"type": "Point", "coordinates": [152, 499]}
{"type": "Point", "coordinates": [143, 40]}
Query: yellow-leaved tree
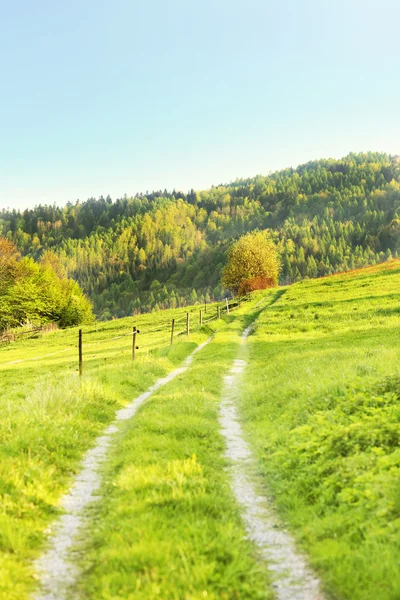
{"type": "Point", "coordinates": [253, 264]}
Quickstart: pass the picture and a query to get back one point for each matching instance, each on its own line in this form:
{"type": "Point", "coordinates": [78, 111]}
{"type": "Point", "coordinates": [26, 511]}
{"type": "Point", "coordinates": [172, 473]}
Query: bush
{"type": "Point", "coordinates": [38, 293]}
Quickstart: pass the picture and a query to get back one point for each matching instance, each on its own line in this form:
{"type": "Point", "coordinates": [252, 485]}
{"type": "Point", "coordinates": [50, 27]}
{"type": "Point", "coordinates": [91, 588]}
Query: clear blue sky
{"type": "Point", "coordinates": [127, 96]}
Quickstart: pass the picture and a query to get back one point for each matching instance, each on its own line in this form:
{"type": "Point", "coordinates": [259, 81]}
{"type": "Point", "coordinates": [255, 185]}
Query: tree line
{"type": "Point", "coordinates": [168, 249]}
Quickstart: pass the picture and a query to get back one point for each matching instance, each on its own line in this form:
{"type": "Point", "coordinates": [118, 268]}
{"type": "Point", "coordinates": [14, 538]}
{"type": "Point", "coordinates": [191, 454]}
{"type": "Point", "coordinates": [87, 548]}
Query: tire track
{"type": "Point", "coordinates": [292, 578]}
{"type": "Point", "coordinates": [55, 569]}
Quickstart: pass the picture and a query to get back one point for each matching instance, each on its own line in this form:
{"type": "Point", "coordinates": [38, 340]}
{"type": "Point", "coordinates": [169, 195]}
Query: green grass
{"type": "Point", "coordinates": [321, 404]}
{"type": "Point", "coordinates": [167, 525]}
{"type": "Point", "coordinates": [48, 419]}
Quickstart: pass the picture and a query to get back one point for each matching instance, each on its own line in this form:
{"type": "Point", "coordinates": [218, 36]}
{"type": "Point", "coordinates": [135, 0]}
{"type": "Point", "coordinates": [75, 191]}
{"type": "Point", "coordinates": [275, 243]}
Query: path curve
{"type": "Point", "coordinates": [55, 569]}
{"type": "Point", "coordinates": [292, 578]}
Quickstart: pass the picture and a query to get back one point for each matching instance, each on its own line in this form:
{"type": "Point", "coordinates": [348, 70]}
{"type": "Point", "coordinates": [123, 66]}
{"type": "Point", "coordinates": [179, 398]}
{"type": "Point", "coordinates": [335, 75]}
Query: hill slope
{"type": "Point", "coordinates": [166, 249]}
{"type": "Point", "coordinates": [319, 404]}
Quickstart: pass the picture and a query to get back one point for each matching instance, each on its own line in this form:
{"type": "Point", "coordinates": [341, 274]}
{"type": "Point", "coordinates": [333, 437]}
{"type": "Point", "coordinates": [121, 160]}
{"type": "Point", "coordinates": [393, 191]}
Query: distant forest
{"type": "Point", "coordinates": [166, 249]}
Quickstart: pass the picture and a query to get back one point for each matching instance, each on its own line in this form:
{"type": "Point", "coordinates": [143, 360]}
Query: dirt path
{"type": "Point", "coordinates": [56, 569]}
{"type": "Point", "coordinates": [292, 578]}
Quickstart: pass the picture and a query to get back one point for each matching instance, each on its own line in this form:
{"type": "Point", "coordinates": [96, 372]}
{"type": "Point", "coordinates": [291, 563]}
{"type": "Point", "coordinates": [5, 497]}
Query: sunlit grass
{"type": "Point", "coordinates": [167, 525]}
{"type": "Point", "coordinates": [321, 405]}
{"type": "Point", "coordinates": [49, 418]}
{"type": "Point", "coordinates": [320, 402]}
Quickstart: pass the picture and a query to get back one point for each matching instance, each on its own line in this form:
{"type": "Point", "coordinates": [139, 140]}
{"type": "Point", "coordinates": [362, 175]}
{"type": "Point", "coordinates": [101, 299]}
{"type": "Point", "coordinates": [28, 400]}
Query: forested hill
{"type": "Point", "coordinates": [163, 249]}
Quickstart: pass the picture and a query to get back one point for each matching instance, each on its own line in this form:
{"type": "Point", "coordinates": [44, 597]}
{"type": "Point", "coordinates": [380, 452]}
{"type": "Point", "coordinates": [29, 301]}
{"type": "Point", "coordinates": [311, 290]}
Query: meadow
{"type": "Point", "coordinates": [320, 403]}
{"type": "Point", "coordinates": [49, 417]}
{"type": "Point", "coordinates": [167, 525]}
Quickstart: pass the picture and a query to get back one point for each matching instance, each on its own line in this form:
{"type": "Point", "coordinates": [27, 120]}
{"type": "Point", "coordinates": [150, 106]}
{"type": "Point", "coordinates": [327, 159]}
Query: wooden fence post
{"type": "Point", "coordinates": [134, 343]}
{"type": "Point", "coordinates": [172, 330]}
{"type": "Point", "coordinates": [205, 306]}
{"type": "Point", "coordinates": [219, 312]}
{"type": "Point", "coordinates": [80, 352]}
{"type": "Point", "coordinates": [201, 317]}
{"type": "Point", "coordinates": [227, 305]}
{"type": "Point", "coordinates": [187, 323]}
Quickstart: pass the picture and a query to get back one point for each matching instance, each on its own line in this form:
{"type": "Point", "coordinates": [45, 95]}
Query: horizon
{"type": "Point", "coordinates": [114, 198]}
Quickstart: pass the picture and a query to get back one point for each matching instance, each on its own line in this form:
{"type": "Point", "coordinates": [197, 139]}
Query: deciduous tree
{"type": "Point", "coordinates": [252, 264]}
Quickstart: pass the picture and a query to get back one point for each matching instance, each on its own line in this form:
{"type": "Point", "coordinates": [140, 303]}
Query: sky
{"type": "Point", "coordinates": [126, 96]}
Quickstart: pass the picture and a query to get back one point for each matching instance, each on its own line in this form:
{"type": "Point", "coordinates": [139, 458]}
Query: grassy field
{"type": "Point", "coordinates": [168, 526]}
{"type": "Point", "coordinates": [320, 407]}
{"type": "Point", "coordinates": [49, 418]}
{"type": "Point", "coordinates": [320, 401]}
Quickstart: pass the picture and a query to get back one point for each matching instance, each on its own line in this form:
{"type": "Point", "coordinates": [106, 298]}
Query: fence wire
{"type": "Point", "coordinates": [220, 308]}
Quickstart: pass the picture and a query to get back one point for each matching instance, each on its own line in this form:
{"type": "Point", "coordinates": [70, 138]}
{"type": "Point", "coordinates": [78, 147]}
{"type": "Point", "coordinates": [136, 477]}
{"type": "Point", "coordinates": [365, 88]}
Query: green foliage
{"type": "Point", "coordinates": [35, 293]}
{"type": "Point", "coordinates": [252, 264]}
{"type": "Point", "coordinates": [325, 216]}
{"type": "Point", "coordinates": [347, 459]}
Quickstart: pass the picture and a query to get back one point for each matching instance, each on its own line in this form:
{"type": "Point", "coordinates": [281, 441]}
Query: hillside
{"type": "Point", "coordinates": [320, 402]}
{"type": "Point", "coordinates": [317, 396]}
{"type": "Point", "coordinates": [165, 249]}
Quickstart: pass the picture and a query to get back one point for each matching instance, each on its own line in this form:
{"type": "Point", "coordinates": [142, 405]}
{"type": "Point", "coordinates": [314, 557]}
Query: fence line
{"type": "Point", "coordinates": [168, 327]}
{"type": "Point", "coordinates": [7, 337]}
